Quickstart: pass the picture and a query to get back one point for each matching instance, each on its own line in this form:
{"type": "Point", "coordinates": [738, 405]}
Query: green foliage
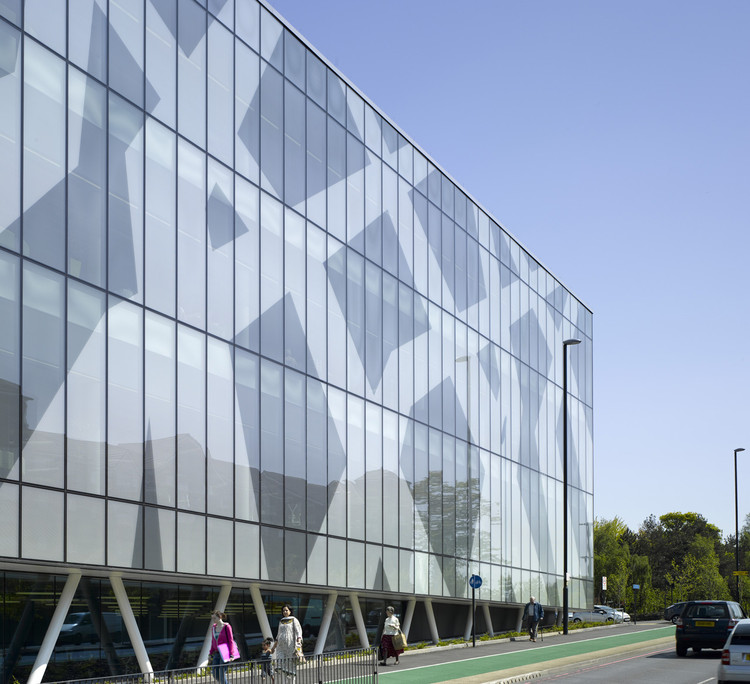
{"type": "Point", "coordinates": [677, 557]}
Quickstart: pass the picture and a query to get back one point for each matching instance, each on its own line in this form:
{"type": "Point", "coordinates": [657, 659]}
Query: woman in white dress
{"type": "Point", "coordinates": [288, 646]}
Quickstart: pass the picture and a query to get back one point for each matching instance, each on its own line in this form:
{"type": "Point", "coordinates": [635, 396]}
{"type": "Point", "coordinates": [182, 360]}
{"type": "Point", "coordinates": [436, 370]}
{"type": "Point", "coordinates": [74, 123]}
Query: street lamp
{"type": "Point", "coordinates": [736, 529]}
{"type": "Point", "coordinates": [566, 344]}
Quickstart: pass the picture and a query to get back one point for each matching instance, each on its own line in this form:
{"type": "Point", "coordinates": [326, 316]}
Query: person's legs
{"type": "Point", "coordinates": [219, 669]}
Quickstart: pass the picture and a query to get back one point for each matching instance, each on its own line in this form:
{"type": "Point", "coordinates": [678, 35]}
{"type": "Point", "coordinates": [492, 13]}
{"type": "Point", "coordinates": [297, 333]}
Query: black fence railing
{"type": "Point", "coordinates": [359, 665]}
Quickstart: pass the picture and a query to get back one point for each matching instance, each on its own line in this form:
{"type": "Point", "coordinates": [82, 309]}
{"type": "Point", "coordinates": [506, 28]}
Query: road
{"type": "Point", "coordinates": [657, 666]}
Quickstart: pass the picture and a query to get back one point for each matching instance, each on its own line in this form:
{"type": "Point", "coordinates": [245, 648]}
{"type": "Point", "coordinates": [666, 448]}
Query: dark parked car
{"type": "Point", "coordinates": [671, 613]}
{"type": "Point", "coordinates": [706, 624]}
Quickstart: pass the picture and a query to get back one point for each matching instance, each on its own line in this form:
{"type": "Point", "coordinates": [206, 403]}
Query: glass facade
{"type": "Point", "coordinates": [252, 334]}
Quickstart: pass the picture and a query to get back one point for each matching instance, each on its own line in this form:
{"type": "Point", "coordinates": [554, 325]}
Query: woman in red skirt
{"type": "Point", "coordinates": [391, 627]}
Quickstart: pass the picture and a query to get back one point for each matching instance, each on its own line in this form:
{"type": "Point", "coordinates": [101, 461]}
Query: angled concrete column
{"type": "Point", "coordinates": [260, 611]}
{"type": "Point", "coordinates": [357, 613]}
{"type": "Point", "coordinates": [53, 631]}
{"type": "Point", "coordinates": [325, 623]}
{"type": "Point", "coordinates": [431, 620]}
{"type": "Point", "coordinates": [220, 605]}
{"type": "Point", "coordinates": [134, 634]}
{"type": "Point", "coordinates": [488, 619]}
{"type": "Point", "coordinates": [469, 623]}
{"type": "Point", "coordinates": [519, 618]}
{"type": "Point", "coordinates": [406, 626]}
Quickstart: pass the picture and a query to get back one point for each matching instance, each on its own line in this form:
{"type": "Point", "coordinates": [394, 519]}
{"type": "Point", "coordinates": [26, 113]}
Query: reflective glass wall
{"type": "Point", "coordinates": [250, 331]}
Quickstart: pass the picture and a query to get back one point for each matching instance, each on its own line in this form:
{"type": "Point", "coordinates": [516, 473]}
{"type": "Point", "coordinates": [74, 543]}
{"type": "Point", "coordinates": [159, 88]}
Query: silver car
{"type": "Point", "coordinates": [620, 615]}
{"type": "Point", "coordinates": [596, 614]}
{"type": "Point", "coordinates": [735, 658]}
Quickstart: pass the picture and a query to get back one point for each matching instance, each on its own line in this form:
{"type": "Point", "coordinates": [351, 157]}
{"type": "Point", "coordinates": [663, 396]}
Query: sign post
{"type": "Point", "coordinates": [475, 581]}
{"type": "Point", "coordinates": [636, 587]}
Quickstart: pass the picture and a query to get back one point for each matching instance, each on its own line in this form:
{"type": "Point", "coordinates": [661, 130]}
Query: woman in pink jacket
{"type": "Point", "coordinates": [223, 648]}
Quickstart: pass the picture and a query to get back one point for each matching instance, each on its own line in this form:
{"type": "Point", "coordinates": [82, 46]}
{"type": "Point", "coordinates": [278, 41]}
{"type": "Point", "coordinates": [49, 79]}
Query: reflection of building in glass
{"type": "Point", "coordinates": [257, 348]}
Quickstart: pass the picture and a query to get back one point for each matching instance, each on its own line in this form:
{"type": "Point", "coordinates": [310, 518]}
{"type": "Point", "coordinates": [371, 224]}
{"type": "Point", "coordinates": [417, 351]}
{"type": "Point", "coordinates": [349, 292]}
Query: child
{"type": "Point", "coordinates": [266, 657]}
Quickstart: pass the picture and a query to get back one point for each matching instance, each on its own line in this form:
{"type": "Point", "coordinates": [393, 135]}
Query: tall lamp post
{"type": "Point", "coordinates": [736, 529]}
{"type": "Point", "coordinates": [566, 344]}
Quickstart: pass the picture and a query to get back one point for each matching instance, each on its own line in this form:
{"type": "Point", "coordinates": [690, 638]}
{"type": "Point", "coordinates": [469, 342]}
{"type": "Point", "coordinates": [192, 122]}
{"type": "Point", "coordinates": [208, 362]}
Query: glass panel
{"type": "Point", "coordinates": [85, 530]}
{"type": "Point", "coordinates": [126, 41]}
{"type": "Point", "coordinates": [11, 10]}
{"type": "Point", "coordinates": [44, 156]}
{"type": "Point", "coordinates": [159, 542]}
{"type": "Point", "coordinates": [355, 471]}
{"type": "Point", "coordinates": [220, 433]}
{"type": "Point", "coordinates": [355, 186]}
{"type": "Point", "coordinates": [295, 557]}
{"type": "Point", "coordinates": [295, 468]}
{"type": "Point", "coordinates": [248, 23]}
{"type": "Point", "coordinates": [247, 435]}
{"type": "Point", "coordinates": [271, 443]}
{"type": "Point", "coordinates": [191, 419]}
{"type": "Point", "coordinates": [43, 375]}
{"type": "Point", "coordinates": [124, 535]}
{"type": "Point", "coordinates": [125, 198]}
{"type": "Point", "coordinates": [295, 324]}
{"type": "Point", "coordinates": [42, 518]}
{"type": "Point", "coordinates": [191, 543]}
{"type": "Point", "coordinates": [336, 464]}
{"type": "Point", "coordinates": [355, 322]}
{"type": "Point", "coordinates": [355, 114]}
{"type": "Point", "coordinates": [316, 457]}
{"type": "Point", "coordinates": [375, 504]}
{"type": "Point", "coordinates": [316, 165]}
{"type": "Point", "coordinates": [316, 79]}
{"type": "Point", "coordinates": [246, 268]}
{"type": "Point", "coordinates": [10, 361]}
{"type": "Point", "coordinates": [373, 135]}
{"type": "Point", "coordinates": [294, 148]}
{"type": "Point", "coordinates": [160, 409]}
{"type": "Point", "coordinates": [271, 277]}
{"type": "Point", "coordinates": [191, 235]}
{"type": "Point", "coordinates": [191, 72]}
{"type": "Point", "coordinates": [316, 300]}
{"type": "Point", "coordinates": [87, 176]}
{"type": "Point", "coordinates": [9, 520]}
{"type": "Point", "coordinates": [220, 95]}
{"type": "Point", "coordinates": [336, 98]}
{"type": "Point", "coordinates": [272, 554]}
{"type": "Point", "coordinates": [220, 251]}
{"type": "Point", "coordinates": [247, 113]}
{"type": "Point", "coordinates": [86, 388]}
{"type": "Point", "coordinates": [247, 550]}
{"type": "Point", "coordinates": [161, 60]}
{"type": "Point", "coordinates": [125, 400]}
{"type": "Point", "coordinates": [220, 559]}
{"type": "Point", "coordinates": [271, 39]}
{"type": "Point", "coordinates": [45, 20]}
{"type": "Point", "coordinates": [272, 130]}
{"type": "Point", "coordinates": [87, 36]}
{"type": "Point", "coordinates": [294, 60]}
{"type": "Point", "coordinates": [10, 136]}
{"type": "Point", "coordinates": [161, 228]}
{"type": "Point", "coordinates": [336, 180]}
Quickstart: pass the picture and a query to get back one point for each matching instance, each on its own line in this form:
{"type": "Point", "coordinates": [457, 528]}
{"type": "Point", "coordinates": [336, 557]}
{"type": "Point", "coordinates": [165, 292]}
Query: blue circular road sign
{"type": "Point", "coordinates": [475, 581]}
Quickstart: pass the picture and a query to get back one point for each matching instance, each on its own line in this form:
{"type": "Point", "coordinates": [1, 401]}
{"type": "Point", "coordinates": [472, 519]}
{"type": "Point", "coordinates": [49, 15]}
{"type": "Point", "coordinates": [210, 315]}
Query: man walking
{"type": "Point", "coordinates": [534, 612]}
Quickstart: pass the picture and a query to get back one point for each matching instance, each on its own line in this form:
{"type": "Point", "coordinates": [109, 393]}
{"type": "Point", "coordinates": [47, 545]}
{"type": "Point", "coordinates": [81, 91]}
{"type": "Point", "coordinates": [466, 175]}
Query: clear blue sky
{"type": "Point", "coordinates": [612, 139]}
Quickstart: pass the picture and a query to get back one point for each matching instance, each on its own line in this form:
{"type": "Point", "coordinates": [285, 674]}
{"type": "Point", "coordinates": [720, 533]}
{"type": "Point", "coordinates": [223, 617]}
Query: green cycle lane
{"type": "Point", "coordinates": [481, 665]}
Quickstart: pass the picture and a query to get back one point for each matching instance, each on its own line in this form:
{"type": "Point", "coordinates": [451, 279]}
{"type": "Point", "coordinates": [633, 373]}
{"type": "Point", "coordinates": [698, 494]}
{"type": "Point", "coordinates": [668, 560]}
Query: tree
{"type": "Point", "coordinates": [611, 558]}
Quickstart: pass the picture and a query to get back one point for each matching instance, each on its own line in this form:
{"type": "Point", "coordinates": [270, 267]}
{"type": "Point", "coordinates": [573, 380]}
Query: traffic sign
{"type": "Point", "coordinates": [636, 586]}
{"type": "Point", "coordinates": [475, 581]}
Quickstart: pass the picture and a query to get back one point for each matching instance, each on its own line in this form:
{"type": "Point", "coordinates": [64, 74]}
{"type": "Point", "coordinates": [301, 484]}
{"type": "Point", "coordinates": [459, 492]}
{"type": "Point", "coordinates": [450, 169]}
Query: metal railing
{"type": "Point", "coordinates": [359, 665]}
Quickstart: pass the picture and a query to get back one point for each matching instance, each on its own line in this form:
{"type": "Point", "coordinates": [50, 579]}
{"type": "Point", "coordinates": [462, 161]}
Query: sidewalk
{"type": "Point", "coordinates": [504, 660]}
